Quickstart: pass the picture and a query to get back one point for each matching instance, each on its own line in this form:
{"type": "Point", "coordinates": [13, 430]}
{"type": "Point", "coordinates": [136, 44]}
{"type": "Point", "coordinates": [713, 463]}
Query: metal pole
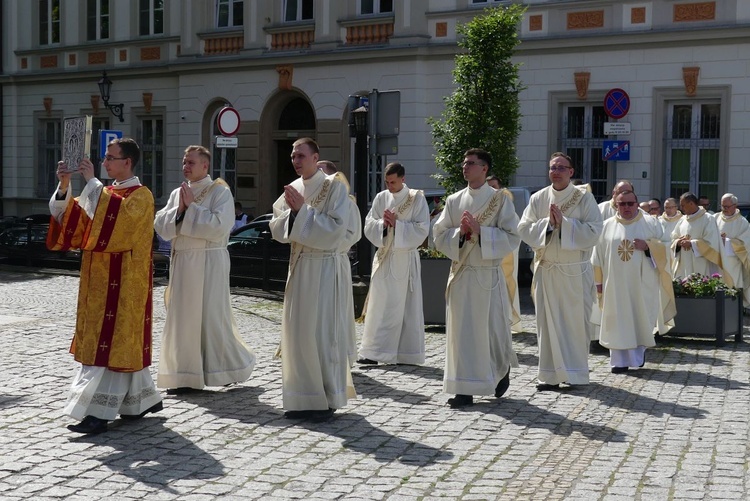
{"type": "Point", "coordinates": [364, 254]}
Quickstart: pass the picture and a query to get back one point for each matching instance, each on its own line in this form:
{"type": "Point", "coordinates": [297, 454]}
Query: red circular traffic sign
{"type": "Point", "coordinates": [228, 121]}
{"type": "Point", "coordinates": [616, 103]}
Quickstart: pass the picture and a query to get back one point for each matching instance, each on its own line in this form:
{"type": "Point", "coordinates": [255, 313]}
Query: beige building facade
{"type": "Point", "coordinates": [288, 67]}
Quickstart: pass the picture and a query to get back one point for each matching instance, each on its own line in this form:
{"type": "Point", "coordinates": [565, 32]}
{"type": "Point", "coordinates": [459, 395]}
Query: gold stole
{"type": "Point", "coordinates": [739, 250]}
{"type": "Point", "coordinates": [486, 213]}
{"type": "Point", "coordinates": [315, 204]}
{"type": "Point", "coordinates": [385, 250]}
{"type": "Point", "coordinates": [566, 209]}
{"type": "Point", "coordinates": [708, 252]}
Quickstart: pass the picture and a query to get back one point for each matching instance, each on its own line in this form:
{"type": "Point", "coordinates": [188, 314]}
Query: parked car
{"type": "Point", "coordinates": [24, 241]}
{"type": "Point", "coordinates": [257, 260]}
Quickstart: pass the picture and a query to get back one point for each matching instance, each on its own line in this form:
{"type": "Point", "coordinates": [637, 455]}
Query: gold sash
{"type": "Point", "coordinates": [385, 250]}
{"type": "Point", "coordinates": [315, 204]}
{"type": "Point", "coordinates": [486, 213]}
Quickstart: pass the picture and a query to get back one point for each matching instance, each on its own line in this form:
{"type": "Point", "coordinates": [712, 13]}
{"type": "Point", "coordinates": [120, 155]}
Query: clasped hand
{"type": "Point", "coordinates": [389, 218]}
{"type": "Point", "coordinates": [555, 216]}
{"type": "Point", "coordinates": [293, 198]}
{"type": "Point", "coordinates": [186, 197]}
{"type": "Point", "coordinates": [469, 224]}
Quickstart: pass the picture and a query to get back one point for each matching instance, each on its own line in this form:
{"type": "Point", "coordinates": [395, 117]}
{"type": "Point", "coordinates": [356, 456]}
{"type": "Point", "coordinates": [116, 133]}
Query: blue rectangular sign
{"type": "Point", "coordinates": [616, 150]}
{"type": "Point", "coordinates": [105, 136]}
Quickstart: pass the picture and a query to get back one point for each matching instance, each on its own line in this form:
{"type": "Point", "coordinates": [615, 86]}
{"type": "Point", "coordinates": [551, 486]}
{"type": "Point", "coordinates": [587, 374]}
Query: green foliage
{"type": "Point", "coordinates": [697, 285]}
{"type": "Point", "coordinates": [483, 111]}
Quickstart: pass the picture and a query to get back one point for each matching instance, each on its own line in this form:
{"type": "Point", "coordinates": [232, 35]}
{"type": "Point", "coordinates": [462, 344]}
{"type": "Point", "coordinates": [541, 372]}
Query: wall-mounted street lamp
{"type": "Point", "coordinates": [105, 85]}
{"type": "Point", "coordinates": [359, 124]}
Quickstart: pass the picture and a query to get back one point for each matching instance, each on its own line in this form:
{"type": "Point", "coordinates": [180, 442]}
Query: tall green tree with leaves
{"type": "Point", "coordinates": [484, 110]}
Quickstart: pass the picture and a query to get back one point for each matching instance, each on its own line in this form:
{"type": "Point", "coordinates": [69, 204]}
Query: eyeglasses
{"type": "Point", "coordinates": [559, 169]}
{"type": "Point", "coordinates": [109, 158]}
{"type": "Point", "coordinates": [728, 206]}
{"type": "Point", "coordinates": [626, 204]}
{"type": "Point", "coordinates": [469, 163]}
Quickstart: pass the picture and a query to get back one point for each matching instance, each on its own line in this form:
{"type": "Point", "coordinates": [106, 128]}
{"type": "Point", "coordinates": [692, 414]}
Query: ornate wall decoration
{"type": "Point", "coordinates": [586, 20]}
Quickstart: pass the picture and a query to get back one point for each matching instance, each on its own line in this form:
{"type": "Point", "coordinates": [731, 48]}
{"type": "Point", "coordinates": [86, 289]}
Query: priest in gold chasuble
{"type": "Point", "coordinates": [112, 226]}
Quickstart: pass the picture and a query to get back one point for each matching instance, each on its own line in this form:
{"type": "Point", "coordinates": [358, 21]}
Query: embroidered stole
{"type": "Point", "coordinates": [485, 214]}
{"type": "Point", "coordinates": [316, 203]}
{"type": "Point", "coordinates": [566, 209]}
{"type": "Point", "coordinates": [385, 250]}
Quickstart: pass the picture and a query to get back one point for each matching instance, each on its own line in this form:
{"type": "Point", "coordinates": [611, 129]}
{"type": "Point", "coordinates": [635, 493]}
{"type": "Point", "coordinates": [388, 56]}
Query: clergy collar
{"type": "Point", "coordinates": [477, 191]}
{"type": "Point", "coordinates": [200, 184]}
{"type": "Point", "coordinates": [401, 193]}
{"type": "Point", "coordinates": [564, 193]}
{"type": "Point", "coordinates": [696, 215]}
{"type": "Point", "coordinates": [638, 217]}
{"type": "Point", "coordinates": [314, 180]}
{"type": "Point", "coordinates": [734, 216]}
{"type": "Point", "coordinates": [677, 215]}
{"type": "Point", "coordinates": [128, 183]}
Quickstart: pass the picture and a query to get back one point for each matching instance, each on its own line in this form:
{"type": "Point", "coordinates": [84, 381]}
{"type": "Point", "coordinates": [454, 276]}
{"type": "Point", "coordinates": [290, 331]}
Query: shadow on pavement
{"type": "Point", "coordinates": [688, 378]}
{"type": "Point", "coordinates": [240, 403]}
{"type": "Point", "coordinates": [612, 396]}
{"type": "Point", "coordinates": [360, 436]}
{"type": "Point", "coordinates": [372, 388]}
{"type": "Point", "coordinates": [525, 414]}
{"type": "Point", "coordinates": [149, 452]}
{"type": "Point", "coordinates": [421, 371]}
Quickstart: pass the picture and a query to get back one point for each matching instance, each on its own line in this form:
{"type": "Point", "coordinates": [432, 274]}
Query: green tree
{"type": "Point", "coordinates": [483, 111]}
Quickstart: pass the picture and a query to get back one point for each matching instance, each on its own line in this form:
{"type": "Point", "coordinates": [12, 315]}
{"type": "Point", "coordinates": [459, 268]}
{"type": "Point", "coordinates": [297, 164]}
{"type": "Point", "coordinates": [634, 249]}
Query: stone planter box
{"type": "Point", "coordinates": [715, 317]}
{"type": "Point", "coordinates": [434, 279]}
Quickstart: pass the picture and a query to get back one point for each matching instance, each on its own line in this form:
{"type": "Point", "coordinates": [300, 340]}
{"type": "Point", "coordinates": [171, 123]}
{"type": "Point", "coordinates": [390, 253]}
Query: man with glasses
{"type": "Point", "coordinates": [607, 208]}
{"type": "Point", "coordinates": [562, 223]}
{"type": "Point", "coordinates": [476, 230]}
{"type": "Point", "coordinates": [201, 345]}
{"type": "Point", "coordinates": [705, 202]}
{"type": "Point", "coordinates": [629, 270]}
{"type": "Point", "coordinates": [113, 227]}
{"type": "Point", "coordinates": [734, 230]}
{"type": "Point", "coordinates": [654, 207]}
{"type": "Point", "coordinates": [695, 240]}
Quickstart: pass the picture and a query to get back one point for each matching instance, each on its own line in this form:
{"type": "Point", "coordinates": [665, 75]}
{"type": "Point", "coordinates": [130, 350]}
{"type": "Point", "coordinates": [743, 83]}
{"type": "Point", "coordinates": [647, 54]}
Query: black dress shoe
{"type": "Point", "coordinates": [321, 416]}
{"type": "Point", "coordinates": [90, 426]}
{"type": "Point", "coordinates": [154, 408]}
{"type": "Point", "coordinates": [367, 361]}
{"type": "Point", "coordinates": [503, 385]}
{"type": "Point", "coordinates": [460, 401]}
{"type": "Point", "coordinates": [297, 414]}
{"type": "Point", "coordinates": [619, 370]}
{"type": "Point", "coordinates": [182, 390]}
{"type": "Point", "coordinates": [547, 387]}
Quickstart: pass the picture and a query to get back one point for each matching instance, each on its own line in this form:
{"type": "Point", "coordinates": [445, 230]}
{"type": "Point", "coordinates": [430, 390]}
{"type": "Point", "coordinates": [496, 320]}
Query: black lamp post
{"type": "Point", "coordinates": [105, 85]}
{"type": "Point", "coordinates": [364, 250]}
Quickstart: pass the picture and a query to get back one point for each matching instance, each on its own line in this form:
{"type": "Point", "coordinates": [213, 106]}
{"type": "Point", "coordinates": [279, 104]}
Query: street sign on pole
{"type": "Point", "coordinates": [226, 142]}
{"type": "Point", "coordinates": [616, 128]}
{"type": "Point", "coordinates": [105, 136]}
{"type": "Point", "coordinates": [228, 121]}
{"type": "Point", "coordinates": [616, 103]}
{"type": "Point", "coordinates": [615, 150]}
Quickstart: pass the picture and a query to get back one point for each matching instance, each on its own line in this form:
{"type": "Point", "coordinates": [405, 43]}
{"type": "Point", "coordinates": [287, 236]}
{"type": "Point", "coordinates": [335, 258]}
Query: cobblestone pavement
{"type": "Point", "coordinates": [676, 429]}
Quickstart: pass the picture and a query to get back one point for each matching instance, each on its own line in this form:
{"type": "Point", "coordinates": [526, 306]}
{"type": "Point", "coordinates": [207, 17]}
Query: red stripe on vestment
{"type": "Point", "coordinates": [108, 224]}
{"type": "Point", "coordinates": [109, 320]}
{"type": "Point", "coordinates": [147, 328]}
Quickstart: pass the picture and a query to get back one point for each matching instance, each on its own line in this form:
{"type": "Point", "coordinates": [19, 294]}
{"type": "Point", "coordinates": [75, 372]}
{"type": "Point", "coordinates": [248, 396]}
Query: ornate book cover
{"type": "Point", "coordinates": [76, 141]}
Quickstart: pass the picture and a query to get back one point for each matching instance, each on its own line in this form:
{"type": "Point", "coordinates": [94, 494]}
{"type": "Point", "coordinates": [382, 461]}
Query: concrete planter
{"type": "Point", "coordinates": [715, 317]}
{"type": "Point", "coordinates": [434, 279]}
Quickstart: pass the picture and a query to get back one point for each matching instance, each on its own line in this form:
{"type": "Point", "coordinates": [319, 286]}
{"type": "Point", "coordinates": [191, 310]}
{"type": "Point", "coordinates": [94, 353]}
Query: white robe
{"type": "Point", "coordinates": [607, 209]}
{"type": "Point", "coordinates": [563, 286]}
{"type": "Point", "coordinates": [317, 327]}
{"type": "Point", "coordinates": [704, 257]}
{"type": "Point", "coordinates": [668, 224]}
{"type": "Point", "coordinates": [734, 251]}
{"type": "Point", "coordinates": [630, 285]}
{"type": "Point", "coordinates": [201, 345]}
{"type": "Point", "coordinates": [478, 312]}
{"type": "Point", "coordinates": [394, 323]}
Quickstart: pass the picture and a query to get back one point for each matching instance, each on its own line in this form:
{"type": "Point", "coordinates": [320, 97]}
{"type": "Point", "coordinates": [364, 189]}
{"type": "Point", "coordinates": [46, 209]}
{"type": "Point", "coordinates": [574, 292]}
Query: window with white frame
{"type": "Point", "coordinates": [298, 10]}
{"type": "Point", "coordinates": [49, 22]}
{"type": "Point", "coordinates": [151, 140]}
{"type": "Point", "coordinates": [229, 13]}
{"type": "Point", "coordinates": [582, 136]}
{"type": "Point", "coordinates": [150, 17]}
{"type": "Point", "coordinates": [693, 141]}
{"type": "Point", "coordinates": [375, 6]}
{"type": "Point", "coordinates": [49, 152]}
{"type": "Point", "coordinates": [97, 19]}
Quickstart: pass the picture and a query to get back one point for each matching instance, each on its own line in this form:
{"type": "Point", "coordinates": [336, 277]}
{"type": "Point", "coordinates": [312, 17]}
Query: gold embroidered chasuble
{"type": "Point", "coordinates": [113, 326]}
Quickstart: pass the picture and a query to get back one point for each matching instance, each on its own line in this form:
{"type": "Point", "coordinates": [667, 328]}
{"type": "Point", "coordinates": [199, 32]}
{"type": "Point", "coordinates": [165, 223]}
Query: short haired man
{"type": "Point", "coordinates": [607, 208]}
{"type": "Point", "coordinates": [629, 271]}
{"type": "Point", "coordinates": [240, 218]}
{"type": "Point", "coordinates": [695, 240]}
{"type": "Point", "coordinates": [494, 182]}
{"type": "Point", "coordinates": [112, 226]}
{"type": "Point", "coordinates": [476, 230]}
{"type": "Point", "coordinates": [316, 215]}
{"type": "Point", "coordinates": [328, 167]}
{"type": "Point", "coordinates": [705, 202]}
{"type": "Point", "coordinates": [397, 224]}
{"type": "Point", "coordinates": [201, 345]}
{"type": "Point", "coordinates": [654, 207]}
{"type": "Point", "coordinates": [734, 230]}
{"type": "Point", "coordinates": [562, 223]}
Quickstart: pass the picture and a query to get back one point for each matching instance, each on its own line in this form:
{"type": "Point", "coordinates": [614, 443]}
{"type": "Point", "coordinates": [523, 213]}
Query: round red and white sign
{"type": "Point", "coordinates": [228, 121]}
